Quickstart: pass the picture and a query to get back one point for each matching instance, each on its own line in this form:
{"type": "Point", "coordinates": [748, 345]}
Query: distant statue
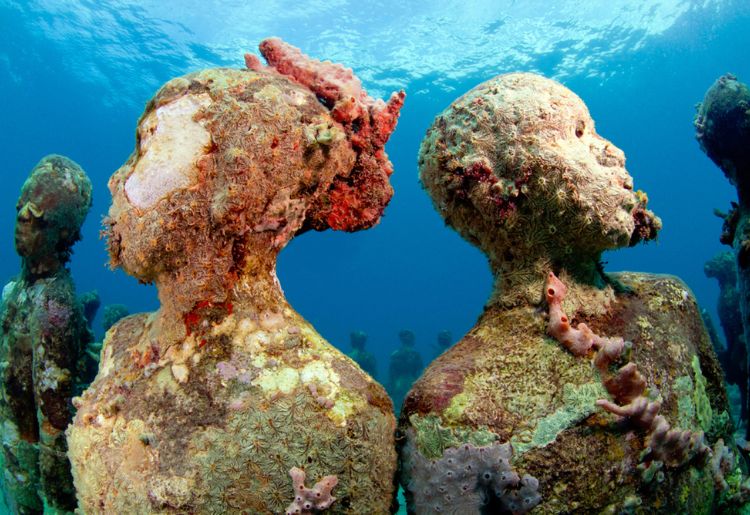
{"type": "Point", "coordinates": [42, 339]}
{"type": "Point", "coordinates": [363, 357]}
{"type": "Point", "coordinates": [443, 341]}
{"type": "Point", "coordinates": [723, 268]}
{"type": "Point", "coordinates": [722, 128]}
{"type": "Point", "coordinates": [90, 301]}
{"type": "Point", "coordinates": [404, 367]}
{"type": "Point", "coordinates": [577, 391]}
{"type": "Point", "coordinates": [225, 399]}
{"type": "Point", "coordinates": [113, 313]}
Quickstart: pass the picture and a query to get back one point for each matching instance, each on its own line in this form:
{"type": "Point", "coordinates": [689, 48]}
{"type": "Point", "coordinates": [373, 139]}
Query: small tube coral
{"type": "Point", "coordinates": [579, 340]}
{"type": "Point", "coordinates": [310, 500]}
{"type": "Point", "coordinates": [673, 447]}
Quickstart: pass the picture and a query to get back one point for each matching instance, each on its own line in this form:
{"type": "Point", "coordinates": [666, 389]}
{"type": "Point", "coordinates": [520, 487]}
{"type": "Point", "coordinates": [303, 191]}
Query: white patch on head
{"type": "Point", "coordinates": [171, 143]}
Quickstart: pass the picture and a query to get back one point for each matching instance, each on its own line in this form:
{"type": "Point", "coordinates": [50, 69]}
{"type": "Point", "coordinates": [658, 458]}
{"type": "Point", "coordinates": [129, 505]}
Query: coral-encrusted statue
{"type": "Point", "coordinates": [516, 167]}
{"type": "Point", "coordinates": [723, 131]}
{"type": "Point", "coordinates": [207, 404]}
{"type": "Point", "coordinates": [723, 267]}
{"type": "Point", "coordinates": [43, 339]}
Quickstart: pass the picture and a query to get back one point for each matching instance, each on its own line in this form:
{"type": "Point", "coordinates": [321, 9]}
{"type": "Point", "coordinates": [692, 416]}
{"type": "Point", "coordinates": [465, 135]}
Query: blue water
{"type": "Point", "coordinates": [74, 77]}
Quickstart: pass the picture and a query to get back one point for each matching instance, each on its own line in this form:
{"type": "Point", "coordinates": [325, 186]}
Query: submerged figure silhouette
{"type": "Point", "coordinates": [404, 367]}
{"type": "Point", "coordinates": [43, 337]}
{"type": "Point", "coordinates": [723, 268]}
{"type": "Point", "coordinates": [516, 167]}
{"type": "Point", "coordinates": [722, 127]}
{"type": "Point", "coordinates": [443, 341]}
{"type": "Point", "coordinates": [210, 403]}
{"type": "Point", "coordinates": [363, 357]}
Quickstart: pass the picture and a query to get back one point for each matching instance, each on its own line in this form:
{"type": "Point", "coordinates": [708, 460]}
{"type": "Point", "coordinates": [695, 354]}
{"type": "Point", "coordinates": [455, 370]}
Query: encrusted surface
{"type": "Point", "coordinates": [206, 405]}
{"type": "Point", "coordinates": [525, 388]}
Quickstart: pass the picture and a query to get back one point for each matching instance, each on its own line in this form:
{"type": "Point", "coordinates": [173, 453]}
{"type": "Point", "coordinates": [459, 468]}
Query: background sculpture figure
{"type": "Point", "coordinates": [517, 168]}
{"type": "Point", "coordinates": [43, 337]}
{"type": "Point", "coordinates": [363, 357]}
{"type": "Point", "coordinates": [208, 404]}
{"type": "Point", "coordinates": [404, 367]}
{"type": "Point", "coordinates": [722, 128]}
{"type": "Point", "coordinates": [723, 267]}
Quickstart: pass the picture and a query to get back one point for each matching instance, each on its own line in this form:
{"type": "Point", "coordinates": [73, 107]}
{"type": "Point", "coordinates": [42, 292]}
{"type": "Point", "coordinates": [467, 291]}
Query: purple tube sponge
{"type": "Point", "coordinates": [310, 500]}
{"type": "Point", "coordinates": [672, 447]}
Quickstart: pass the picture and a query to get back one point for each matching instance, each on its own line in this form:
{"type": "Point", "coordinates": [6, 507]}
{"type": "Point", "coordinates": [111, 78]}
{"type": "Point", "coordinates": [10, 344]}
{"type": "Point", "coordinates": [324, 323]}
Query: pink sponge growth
{"type": "Point", "coordinates": [356, 202]}
{"type": "Point", "coordinates": [665, 445]}
{"type": "Point", "coordinates": [310, 500]}
{"type": "Point", "coordinates": [579, 340]}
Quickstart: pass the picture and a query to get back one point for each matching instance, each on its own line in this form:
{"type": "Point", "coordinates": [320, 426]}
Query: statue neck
{"type": "Point", "coordinates": [34, 269]}
{"type": "Point", "coordinates": [521, 283]}
{"type": "Point", "coordinates": [196, 294]}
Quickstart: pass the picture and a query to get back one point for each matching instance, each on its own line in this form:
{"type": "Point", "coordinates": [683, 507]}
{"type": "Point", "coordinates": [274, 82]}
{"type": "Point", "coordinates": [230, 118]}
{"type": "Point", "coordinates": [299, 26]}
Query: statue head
{"type": "Point", "coordinates": [723, 129]}
{"type": "Point", "coordinates": [50, 211]}
{"type": "Point", "coordinates": [407, 338]}
{"type": "Point", "coordinates": [230, 165]}
{"type": "Point", "coordinates": [517, 168]}
{"type": "Point", "coordinates": [358, 339]}
{"type": "Point", "coordinates": [444, 339]}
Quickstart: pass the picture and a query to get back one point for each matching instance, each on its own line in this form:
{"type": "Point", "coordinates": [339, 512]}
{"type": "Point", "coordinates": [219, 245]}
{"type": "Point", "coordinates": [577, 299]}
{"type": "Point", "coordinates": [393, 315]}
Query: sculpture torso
{"type": "Point", "coordinates": [214, 423]}
{"type": "Point", "coordinates": [508, 379]}
{"type": "Point", "coordinates": [41, 319]}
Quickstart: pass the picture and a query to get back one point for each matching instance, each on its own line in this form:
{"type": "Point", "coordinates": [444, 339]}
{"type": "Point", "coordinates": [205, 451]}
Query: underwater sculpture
{"type": "Point", "coordinates": [208, 404]}
{"type": "Point", "coordinates": [363, 357]}
{"type": "Point", "coordinates": [516, 167]}
{"type": "Point", "coordinates": [43, 337]}
{"type": "Point", "coordinates": [404, 366]}
{"type": "Point", "coordinates": [443, 341]}
{"type": "Point", "coordinates": [723, 268]}
{"type": "Point", "coordinates": [113, 313]}
{"type": "Point", "coordinates": [722, 127]}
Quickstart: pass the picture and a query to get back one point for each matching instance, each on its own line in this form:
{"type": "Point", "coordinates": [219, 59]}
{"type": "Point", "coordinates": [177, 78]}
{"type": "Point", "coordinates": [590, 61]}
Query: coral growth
{"type": "Point", "coordinates": [355, 202]}
{"type": "Point", "coordinates": [310, 500]}
{"type": "Point", "coordinates": [627, 386]}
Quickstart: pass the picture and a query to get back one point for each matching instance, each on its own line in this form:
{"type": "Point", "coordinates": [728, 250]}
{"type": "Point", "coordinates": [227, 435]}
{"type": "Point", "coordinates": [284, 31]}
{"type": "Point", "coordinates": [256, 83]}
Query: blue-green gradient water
{"type": "Point", "coordinates": [75, 76]}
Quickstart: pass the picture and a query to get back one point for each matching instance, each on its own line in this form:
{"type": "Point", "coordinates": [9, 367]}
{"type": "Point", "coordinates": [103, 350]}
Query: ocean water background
{"type": "Point", "coordinates": [75, 76]}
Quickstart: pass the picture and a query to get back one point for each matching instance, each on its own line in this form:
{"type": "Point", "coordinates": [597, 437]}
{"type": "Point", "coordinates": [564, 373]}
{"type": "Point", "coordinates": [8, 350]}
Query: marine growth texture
{"type": "Point", "coordinates": [206, 405]}
{"type": "Point", "coordinates": [516, 167]}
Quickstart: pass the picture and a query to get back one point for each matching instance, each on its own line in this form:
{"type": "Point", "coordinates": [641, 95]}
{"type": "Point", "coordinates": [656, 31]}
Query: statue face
{"type": "Point", "coordinates": [53, 204]}
{"type": "Point", "coordinates": [30, 236]}
{"type": "Point", "coordinates": [516, 166]}
{"type": "Point", "coordinates": [604, 189]}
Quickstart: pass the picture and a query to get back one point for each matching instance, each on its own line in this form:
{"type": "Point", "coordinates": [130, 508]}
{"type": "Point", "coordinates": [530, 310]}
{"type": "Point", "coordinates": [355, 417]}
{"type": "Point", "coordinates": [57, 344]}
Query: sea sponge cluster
{"type": "Point", "coordinates": [467, 479]}
{"type": "Point", "coordinates": [665, 445]}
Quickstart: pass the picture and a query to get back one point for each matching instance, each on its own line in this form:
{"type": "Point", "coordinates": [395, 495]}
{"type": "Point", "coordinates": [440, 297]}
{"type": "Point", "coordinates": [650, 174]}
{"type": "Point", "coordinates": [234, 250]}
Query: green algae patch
{"type": "Point", "coordinates": [459, 403]}
{"type": "Point", "coordinates": [683, 388]}
{"type": "Point", "coordinates": [578, 403]}
{"type": "Point", "coordinates": [432, 438]}
{"type": "Point", "coordinates": [702, 404]}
